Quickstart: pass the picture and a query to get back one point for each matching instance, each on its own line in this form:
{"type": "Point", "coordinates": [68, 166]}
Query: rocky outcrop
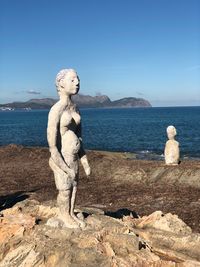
{"type": "Point", "coordinates": [130, 102]}
{"type": "Point", "coordinates": [92, 102]}
{"type": "Point", "coordinates": [44, 103]}
{"type": "Point", "coordinates": [159, 240]}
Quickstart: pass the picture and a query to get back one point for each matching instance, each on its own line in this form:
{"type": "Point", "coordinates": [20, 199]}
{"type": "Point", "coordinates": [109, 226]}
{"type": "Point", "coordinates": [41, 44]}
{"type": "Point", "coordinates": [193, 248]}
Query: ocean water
{"type": "Point", "coordinates": [141, 130]}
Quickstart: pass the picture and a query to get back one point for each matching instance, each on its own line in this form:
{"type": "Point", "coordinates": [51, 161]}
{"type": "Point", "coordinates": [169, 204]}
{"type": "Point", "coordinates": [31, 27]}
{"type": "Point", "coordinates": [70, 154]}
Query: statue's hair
{"type": "Point", "coordinates": [61, 74]}
{"type": "Point", "coordinates": [171, 129]}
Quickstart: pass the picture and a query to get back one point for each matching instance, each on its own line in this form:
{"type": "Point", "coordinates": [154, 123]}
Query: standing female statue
{"type": "Point", "coordinates": [65, 145]}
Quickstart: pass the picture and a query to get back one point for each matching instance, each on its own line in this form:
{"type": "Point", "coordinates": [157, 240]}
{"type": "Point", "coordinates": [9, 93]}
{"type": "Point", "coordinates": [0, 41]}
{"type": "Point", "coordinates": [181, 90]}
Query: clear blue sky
{"type": "Point", "coordinates": [139, 48]}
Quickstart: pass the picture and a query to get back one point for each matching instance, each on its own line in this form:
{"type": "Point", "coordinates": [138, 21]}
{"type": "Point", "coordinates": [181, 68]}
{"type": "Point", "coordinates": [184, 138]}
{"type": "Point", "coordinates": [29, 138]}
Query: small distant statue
{"type": "Point", "coordinates": [65, 145]}
{"type": "Point", "coordinates": [172, 152]}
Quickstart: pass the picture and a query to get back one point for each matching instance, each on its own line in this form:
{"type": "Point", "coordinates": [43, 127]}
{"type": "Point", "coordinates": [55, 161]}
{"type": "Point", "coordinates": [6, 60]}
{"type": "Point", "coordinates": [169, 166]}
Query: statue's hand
{"type": "Point", "coordinates": [71, 173]}
{"type": "Point", "coordinates": [87, 170]}
{"type": "Point", "coordinates": [86, 165]}
{"type": "Point", "coordinates": [65, 169]}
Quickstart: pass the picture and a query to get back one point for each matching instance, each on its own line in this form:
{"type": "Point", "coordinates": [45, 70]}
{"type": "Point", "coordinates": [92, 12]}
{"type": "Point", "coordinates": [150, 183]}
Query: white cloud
{"type": "Point", "coordinates": [33, 92]}
{"type": "Point", "coordinates": [140, 93]}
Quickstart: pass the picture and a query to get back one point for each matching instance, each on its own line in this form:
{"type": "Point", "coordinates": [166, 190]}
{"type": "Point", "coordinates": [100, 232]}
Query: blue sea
{"type": "Point", "coordinates": [137, 130]}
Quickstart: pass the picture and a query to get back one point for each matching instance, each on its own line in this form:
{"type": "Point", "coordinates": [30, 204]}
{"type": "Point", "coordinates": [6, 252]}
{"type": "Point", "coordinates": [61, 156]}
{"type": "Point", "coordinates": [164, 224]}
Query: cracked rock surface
{"type": "Point", "coordinates": [155, 240]}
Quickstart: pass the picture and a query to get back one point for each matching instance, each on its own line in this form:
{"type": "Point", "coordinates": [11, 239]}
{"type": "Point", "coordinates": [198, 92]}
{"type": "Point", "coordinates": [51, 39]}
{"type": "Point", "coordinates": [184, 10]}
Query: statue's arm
{"type": "Point", "coordinates": [165, 149]}
{"type": "Point", "coordinates": [52, 132]}
{"type": "Point", "coordinates": [82, 154]}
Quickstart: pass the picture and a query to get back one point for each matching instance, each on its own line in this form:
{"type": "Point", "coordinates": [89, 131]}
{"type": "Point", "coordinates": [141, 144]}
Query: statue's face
{"type": "Point", "coordinates": [171, 133]}
{"type": "Point", "coordinates": [70, 83]}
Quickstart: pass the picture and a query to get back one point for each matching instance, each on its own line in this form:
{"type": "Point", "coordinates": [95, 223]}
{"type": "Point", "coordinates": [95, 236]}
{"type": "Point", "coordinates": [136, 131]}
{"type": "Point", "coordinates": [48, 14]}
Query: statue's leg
{"type": "Point", "coordinates": [64, 204]}
{"type": "Point", "coordinates": [73, 200]}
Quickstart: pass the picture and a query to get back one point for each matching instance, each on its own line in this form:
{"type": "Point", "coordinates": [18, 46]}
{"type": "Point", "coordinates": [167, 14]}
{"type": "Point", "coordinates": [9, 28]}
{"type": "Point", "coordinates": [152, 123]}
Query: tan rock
{"type": "Point", "coordinates": [166, 222]}
{"type": "Point", "coordinates": [14, 223]}
{"type": "Point", "coordinates": [154, 240]}
{"type": "Point", "coordinates": [22, 256]}
{"type": "Point", "coordinates": [47, 211]}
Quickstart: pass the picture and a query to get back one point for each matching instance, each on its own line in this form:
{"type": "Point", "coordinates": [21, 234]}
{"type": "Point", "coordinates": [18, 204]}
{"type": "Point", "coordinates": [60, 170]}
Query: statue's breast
{"type": "Point", "coordinates": [66, 119]}
{"type": "Point", "coordinates": [69, 121]}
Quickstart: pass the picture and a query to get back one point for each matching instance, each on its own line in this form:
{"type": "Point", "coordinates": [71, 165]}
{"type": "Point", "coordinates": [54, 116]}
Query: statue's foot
{"type": "Point", "coordinates": [68, 221]}
{"type": "Point", "coordinates": [81, 223]}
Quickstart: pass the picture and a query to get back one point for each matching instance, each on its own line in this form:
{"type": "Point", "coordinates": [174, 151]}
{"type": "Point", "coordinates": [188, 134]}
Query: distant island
{"type": "Point", "coordinates": [82, 101]}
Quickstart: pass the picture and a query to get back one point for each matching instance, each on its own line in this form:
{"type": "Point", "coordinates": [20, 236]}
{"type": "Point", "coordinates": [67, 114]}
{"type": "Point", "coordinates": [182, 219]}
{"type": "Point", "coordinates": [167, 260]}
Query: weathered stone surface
{"type": "Point", "coordinates": [47, 211]}
{"type": "Point", "coordinates": [14, 225]}
{"type": "Point", "coordinates": [55, 222]}
{"type": "Point", "coordinates": [165, 222]}
{"type": "Point", "coordinates": [22, 256]}
{"type": "Point", "coordinates": [154, 240]}
{"type": "Point", "coordinates": [14, 222]}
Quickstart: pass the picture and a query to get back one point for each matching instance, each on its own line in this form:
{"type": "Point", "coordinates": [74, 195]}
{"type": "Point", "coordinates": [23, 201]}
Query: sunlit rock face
{"type": "Point", "coordinates": [160, 240]}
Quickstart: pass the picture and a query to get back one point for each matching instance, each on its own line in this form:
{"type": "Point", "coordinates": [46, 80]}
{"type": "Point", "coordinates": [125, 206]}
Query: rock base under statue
{"type": "Point", "coordinates": [57, 222]}
{"type": "Point", "coordinates": [30, 235]}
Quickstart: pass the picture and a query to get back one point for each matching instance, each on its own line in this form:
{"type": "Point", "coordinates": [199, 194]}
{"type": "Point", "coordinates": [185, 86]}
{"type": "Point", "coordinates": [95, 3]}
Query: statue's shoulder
{"type": "Point", "coordinates": [76, 109]}
{"type": "Point", "coordinates": [56, 107]}
{"type": "Point", "coordinates": [172, 143]}
{"type": "Point", "coordinates": [177, 143]}
{"type": "Point", "coordinates": [56, 110]}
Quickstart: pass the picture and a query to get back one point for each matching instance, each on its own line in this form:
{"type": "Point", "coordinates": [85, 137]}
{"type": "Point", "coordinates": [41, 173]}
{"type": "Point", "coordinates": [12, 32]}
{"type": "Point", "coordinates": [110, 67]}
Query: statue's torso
{"type": "Point", "coordinates": [172, 152]}
{"type": "Point", "coordinates": [69, 123]}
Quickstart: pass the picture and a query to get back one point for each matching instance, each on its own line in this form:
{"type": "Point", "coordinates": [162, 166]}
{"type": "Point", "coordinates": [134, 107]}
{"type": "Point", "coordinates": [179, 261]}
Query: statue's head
{"type": "Point", "coordinates": [171, 132]}
{"type": "Point", "coordinates": [67, 82]}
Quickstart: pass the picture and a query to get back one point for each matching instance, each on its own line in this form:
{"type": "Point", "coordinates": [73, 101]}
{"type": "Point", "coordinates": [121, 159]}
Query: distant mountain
{"type": "Point", "coordinates": [91, 102]}
{"type": "Point", "coordinates": [130, 102]}
{"type": "Point", "coordinates": [44, 103]}
{"type": "Point", "coordinates": [82, 101]}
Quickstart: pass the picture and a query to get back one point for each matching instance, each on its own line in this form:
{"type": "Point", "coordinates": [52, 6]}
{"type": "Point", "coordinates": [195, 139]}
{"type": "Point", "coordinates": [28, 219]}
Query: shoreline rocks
{"type": "Point", "coordinates": [154, 240]}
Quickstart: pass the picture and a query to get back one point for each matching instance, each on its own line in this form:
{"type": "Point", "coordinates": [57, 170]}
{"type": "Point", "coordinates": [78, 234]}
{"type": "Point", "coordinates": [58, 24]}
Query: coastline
{"type": "Point", "coordinates": [120, 130]}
